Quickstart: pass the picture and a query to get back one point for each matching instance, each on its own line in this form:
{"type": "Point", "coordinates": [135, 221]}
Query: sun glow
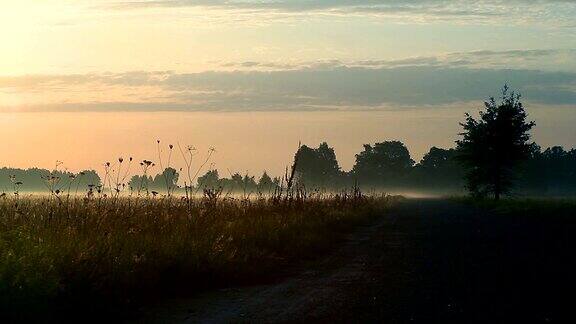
{"type": "Point", "coordinates": [25, 31]}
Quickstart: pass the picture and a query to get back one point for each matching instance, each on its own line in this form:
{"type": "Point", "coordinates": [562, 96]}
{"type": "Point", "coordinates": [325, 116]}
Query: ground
{"type": "Point", "coordinates": [427, 261]}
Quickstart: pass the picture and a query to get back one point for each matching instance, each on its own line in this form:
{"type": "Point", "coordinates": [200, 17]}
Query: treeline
{"type": "Point", "coordinates": [168, 180]}
{"type": "Point", "coordinates": [382, 166]}
{"type": "Point", "coordinates": [35, 179]}
{"type": "Point", "coordinates": [14, 180]}
{"type": "Point", "coordinates": [239, 183]}
{"type": "Point", "coordinates": [388, 165]}
{"type": "Point", "coordinates": [552, 171]}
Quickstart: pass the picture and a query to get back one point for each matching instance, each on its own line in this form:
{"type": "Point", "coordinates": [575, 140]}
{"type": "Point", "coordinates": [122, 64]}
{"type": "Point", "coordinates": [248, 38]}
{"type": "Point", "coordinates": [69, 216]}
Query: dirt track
{"type": "Point", "coordinates": [428, 261]}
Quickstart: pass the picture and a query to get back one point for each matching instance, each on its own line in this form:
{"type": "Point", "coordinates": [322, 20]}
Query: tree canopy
{"type": "Point", "coordinates": [493, 145]}
{"type": "Point", "coordinates": [383, 163]}
{"type": "Point", "coordinates": [317, 166]}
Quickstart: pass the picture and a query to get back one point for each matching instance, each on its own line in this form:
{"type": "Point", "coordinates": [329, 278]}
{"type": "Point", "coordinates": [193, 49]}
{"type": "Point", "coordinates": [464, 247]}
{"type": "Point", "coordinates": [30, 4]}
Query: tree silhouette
{"type": "Point", "coordinates": [317, 166]}
{"type": "Point", "coordinates": [493, 145]}
{"type": "Point", "coordinates": [552, 171]}
{"type": "Point", "coordinates": [167, 180]}
{"type": "Point", "coordinates": [383, 163]}
{"type": "Point", "coordinates": [438, 168]}
{"type": "Point", "coordinates": [209, 180]}
{"type": "Point", "coordinates": [265, 184]}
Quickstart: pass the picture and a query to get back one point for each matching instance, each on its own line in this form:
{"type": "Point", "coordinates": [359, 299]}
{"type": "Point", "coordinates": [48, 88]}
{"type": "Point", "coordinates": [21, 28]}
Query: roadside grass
{"type": "Point", "coordinates": [90, 258]}
{"type": "Point", "coordinates": [552, 208]}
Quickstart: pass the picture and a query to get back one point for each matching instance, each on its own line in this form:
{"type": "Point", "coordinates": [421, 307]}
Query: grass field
{"type": "Point", "coordinates": [548, 208]}
{"type": "Point", "coordinates": [80, 256]}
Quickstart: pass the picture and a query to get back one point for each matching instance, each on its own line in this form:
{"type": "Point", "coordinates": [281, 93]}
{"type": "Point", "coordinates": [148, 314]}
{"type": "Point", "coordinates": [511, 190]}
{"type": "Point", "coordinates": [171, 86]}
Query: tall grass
{"type": "Point", "coordinates": [95, 255]}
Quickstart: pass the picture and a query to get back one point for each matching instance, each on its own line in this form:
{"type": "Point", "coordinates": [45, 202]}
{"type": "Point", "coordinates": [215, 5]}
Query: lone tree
{"type": "Point", "coordinates": [493, 145]}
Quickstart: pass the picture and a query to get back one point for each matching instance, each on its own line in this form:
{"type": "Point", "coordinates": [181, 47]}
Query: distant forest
{"type": "Point", "coordinates": [381, 166]}
{"type": "Point", "coordinates": [388, 165]}
{"type": "Point", "coordinates": [34, 179]}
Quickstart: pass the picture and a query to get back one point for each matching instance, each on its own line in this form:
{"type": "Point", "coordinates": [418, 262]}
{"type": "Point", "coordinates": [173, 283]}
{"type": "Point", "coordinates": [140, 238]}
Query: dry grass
{"type": "Point", "coordinates": [94, 255]}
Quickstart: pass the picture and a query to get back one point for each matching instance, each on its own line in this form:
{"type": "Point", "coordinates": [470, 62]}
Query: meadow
{"type": "Point", "coordinates": [62, 257]}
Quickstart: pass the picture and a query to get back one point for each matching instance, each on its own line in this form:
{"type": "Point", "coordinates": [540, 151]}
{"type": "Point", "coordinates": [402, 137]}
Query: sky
{"type": "Point", "coordinates": [86, 81]}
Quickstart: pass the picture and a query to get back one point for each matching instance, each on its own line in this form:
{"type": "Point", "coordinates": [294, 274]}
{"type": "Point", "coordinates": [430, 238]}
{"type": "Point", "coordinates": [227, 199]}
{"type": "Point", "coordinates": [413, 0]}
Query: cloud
{"type": "Point", "coordinates": [525, 54]}
{"type": "Point", "coordinates": [361, 87]}
{"type": "Point", "coordinates": [534, 59]}
{"type": "Point", "coordinates": [311, 89]}
{"type": "Point", "coordinates": [316, 85]}
{"type": "Point", "coordinates": [314, 5]}
{"type": "Point", "coordinates": [557, 12]}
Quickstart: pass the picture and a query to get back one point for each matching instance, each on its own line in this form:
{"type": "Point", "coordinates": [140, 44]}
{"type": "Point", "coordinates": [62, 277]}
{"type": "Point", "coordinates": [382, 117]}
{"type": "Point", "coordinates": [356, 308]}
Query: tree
{"type": "Point", "coordinates": [249, 183]}
{"type": "Point", "coordinates": [317, 167]}
{"type": "Point", "coordinates": [437, 159]}
{"type": "Point", "coordinates": [209, 180]}
{"type": "Point", "coordinates": [139, 183]}
{"type": "Point", "coordinates": [237, 181]}
{"type": "Point", "coordinates": [383, 163]}
{"type": "Point", "coordinates": [493, 146]}
{"type": "Point", "coordinates": [265, 184]}
{"type": "Point", "coordinates": [438, 168]}
{"type": "Point", "coordinates": [167, 180]}
{"type": "Point", "coordinates": [552, 171]}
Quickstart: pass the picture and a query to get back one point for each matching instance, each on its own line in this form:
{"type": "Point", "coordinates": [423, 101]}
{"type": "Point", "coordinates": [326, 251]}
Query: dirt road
{"type": "Point", "coordinates": [428, 261]}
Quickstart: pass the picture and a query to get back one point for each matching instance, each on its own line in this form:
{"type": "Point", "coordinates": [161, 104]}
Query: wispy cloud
{"type": "Point", "coordinates": [319, 85]}
{"type": "Point", "coordinates": [337, 88]}
{"type": "Point", "coordinates": [556, 12]}
{"type": "Point", "coordinates": [534, 59]}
